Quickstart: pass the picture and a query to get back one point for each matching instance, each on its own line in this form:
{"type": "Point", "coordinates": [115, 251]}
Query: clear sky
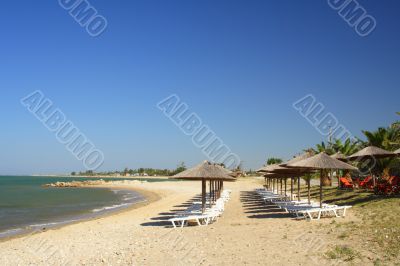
{"type": "Point", "coordinates": [238, 64]}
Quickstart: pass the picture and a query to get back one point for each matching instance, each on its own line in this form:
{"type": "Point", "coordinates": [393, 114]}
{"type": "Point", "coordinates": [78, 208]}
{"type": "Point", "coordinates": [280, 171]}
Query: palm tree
{"type": "Point", "coordinates": [347, 148]}
{"type": "Point", "coordinates": [327, 148]}
{"type": "Point", "coordinates": [273, 160]}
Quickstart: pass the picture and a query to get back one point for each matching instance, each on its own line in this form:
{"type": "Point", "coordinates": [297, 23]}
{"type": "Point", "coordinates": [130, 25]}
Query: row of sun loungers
{"type": "Point", "coordinates": [302, 209]}
{"type": "Point", "coordinates": [194, 212]}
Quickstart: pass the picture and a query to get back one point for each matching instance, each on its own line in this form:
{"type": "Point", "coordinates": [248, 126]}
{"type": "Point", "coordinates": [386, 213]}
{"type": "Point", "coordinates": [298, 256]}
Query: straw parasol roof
{"type": "Point", "coordinates": [301, 157]}
{"type": "Point", "coordinates": [371, 151]}
{"type": "Point", "coordinates": [270, 168]}
{"type": "Point", "coordinates": [226, 170]}
{"type": "Point", "coordinates": [322, 161]}
{"type": "Point", "coordinates": [397, 151]}
{"type": "Point", "coordinates": [279, 169]}
{"type": "Point", "coordinates": [277, 175]}
{"type": "Point", "coordinates": [206, 171]}
{"type": "Point", "coordinates": [339, 156]}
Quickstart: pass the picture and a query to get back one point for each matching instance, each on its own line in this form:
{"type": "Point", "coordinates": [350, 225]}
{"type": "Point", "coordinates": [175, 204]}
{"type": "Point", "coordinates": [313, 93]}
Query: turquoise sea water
{"type": "Point", "coordinates": [27, 206]}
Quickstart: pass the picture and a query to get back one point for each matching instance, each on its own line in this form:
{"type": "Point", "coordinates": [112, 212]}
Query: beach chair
{"type": "Point", "coordinates": [366, 183]}
{"type": "Point", "coordinates": [345, 183]}
{"type": "Point", "coordinates": [329, 211]}
{"type": "Point", "coordinates": [181, 221]}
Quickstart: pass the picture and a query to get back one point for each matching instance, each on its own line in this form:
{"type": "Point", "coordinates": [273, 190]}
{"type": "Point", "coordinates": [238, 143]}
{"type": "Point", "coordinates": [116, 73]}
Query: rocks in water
{"type": "Point", "coordinates": [87, 183]}
{"type": "Point", "coordinates": [78, 183]}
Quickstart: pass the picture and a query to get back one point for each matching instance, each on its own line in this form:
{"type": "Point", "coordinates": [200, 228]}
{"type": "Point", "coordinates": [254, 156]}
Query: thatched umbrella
{"type": "Point", "coordinates": [272, 177]}
{"type": "Point", "coordinates": [269, 168]}
{"type": "Point", "coordinates": [397, 151]}
{"type": "Point", "coordinates": [272, 169]}
{"type": "Point", "coordinates": [291, 172]}
{"type": "Point", "coordinates": [286, 172]}
{"type": "Point", "coordinates": [372, 152]}
{"type": "Point", "coordinates": [298, 158]}
{"type": "Point", "coordinates": [339, 156]}
{"type": "Point", "coordinates": [279, 176]}
{"type": "Point", "coordinates": [320, 162]}
{"type": "Point", "coordinates": [206, 171]}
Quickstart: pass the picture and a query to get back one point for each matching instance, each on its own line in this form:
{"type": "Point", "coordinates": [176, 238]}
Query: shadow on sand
{"type": "Point", "coordinates": [255, 207]}
{"type": "Point", "coordinates": [162, 219]}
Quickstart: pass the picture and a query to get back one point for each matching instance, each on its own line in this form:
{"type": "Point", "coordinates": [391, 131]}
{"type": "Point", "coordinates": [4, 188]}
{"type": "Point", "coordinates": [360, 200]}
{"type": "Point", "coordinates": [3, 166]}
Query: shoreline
{"type": "Point", "coordinates": [142, 235]}
{"type": "Point", "coordinates": [103, 176]}
{"type": "Point", "coordinates": [149, 197]}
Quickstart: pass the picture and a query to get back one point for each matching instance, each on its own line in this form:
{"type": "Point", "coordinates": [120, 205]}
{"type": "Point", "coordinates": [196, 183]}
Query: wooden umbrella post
{"type": "Point", "coordinates": [219, 188]}
{"type": "Point", "coordinates": [309, 193]}
{"type": "Point", "coordinates": [298, 188]}
{"type": "Point", "coordinates": [273, 185]}
{"type": "Point", "coordinates": [203, 195]}
{"type": "Point", "coordinates": [291, 188]}
{"type": "Point", "coordinates": [209, 195]}
{"type": "Point", "coordinates": [285, 186]}
{"type": "Point", "coordinates": [320, 190]}
{"type": "Point", "coordinates": [212, 191]}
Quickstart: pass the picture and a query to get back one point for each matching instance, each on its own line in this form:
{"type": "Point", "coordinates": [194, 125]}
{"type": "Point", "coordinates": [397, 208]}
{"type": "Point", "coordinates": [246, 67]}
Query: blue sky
{"type": "Point", "coordinates": [239, 65]}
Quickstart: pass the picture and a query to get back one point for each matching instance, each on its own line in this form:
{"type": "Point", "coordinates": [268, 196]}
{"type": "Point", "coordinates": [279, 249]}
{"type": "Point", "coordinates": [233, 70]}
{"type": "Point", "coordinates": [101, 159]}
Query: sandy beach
{"type": "Point", "coordinates": [247, 233]}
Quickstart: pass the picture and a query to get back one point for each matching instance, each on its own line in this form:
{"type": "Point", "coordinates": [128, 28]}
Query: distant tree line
{"type": "Point", "coordinates": [139, 171]}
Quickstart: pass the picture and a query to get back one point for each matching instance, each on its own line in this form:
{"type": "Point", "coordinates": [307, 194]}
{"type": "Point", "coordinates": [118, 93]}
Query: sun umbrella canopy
{"type": "Point", "coordinates": [215, 173]}
{"type": "Point", "coordinates": [279, 175]}
{"type": "Point", "coordinates": [372, 151]}
{"type": "Point", "coordinates": [270, 168]}
{"type": "Point", "coordinates": [206, 171]}
{"type": "Point", "coordinates": [397, 151]}
{"type": "Point", "coordinates": [278, 169]}
{"type": "Point", "coordinates": [339, 156]}
{"type": "Point", "coordinates": [299, 158]}
{"type": "Point", "coordinates": [322, 161]}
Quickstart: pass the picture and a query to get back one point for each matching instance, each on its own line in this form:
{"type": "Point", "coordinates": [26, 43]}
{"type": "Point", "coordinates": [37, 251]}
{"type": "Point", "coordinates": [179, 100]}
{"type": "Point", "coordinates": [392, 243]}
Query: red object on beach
{"type": "Point", "coordinates": [344, 183]}
{"type": "Point", "coordinates": [367, 183]}
{"type": "Point", "coordinates": [389, 186]}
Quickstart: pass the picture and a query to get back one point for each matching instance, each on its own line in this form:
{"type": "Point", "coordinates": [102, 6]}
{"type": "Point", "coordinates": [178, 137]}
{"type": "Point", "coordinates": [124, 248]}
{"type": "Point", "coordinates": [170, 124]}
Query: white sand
{"type": "Point", "coordinates": [247, 233]}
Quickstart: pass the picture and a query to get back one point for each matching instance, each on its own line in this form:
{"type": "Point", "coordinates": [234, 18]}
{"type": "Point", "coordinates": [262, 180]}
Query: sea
{"type": "Point", "coordinates": [26, 206]}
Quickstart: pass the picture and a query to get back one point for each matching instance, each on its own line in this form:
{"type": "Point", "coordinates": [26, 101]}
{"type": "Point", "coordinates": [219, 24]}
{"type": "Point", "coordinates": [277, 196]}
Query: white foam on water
{"type": "Point", "coordinates": [53, 223]}
{"type": "Point", "coordinates": [107, 208]}
{"type": "Point", "coordinates": [11, 232]}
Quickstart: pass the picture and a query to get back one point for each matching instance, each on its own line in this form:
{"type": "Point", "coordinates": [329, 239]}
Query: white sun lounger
{"type": "Point", "coordinates": [182, 220]}
{"type": "Point", "coordinates": [316, 213]}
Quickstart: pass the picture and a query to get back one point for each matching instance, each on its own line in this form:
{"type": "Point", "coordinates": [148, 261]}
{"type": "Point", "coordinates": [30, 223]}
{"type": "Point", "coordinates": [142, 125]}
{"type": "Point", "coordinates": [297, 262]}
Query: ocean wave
{"type": "Point", "coordinates": [11, 232]}
{"type": "Point", "coordinates": [107, 208]}
{"type": "Point", "coordinates": [127, 198]}
{"type": "Point", "coordinates": [52, 223]}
